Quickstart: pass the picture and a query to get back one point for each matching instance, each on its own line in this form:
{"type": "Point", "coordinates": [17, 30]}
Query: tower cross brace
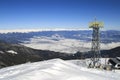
{"type": "Point", "coordinates": [95, 48]}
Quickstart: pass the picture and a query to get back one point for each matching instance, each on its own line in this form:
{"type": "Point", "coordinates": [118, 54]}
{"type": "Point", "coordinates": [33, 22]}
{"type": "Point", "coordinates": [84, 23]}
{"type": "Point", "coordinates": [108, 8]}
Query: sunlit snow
{"type": "Point", "coordinates": [12, 52]}
{"type": "Point", "coordinates": [55, 69]}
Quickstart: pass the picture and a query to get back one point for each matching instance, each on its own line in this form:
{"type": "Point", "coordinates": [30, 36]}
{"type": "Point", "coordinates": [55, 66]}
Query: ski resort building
{"type": "Point", "coordinates": [115, 62]}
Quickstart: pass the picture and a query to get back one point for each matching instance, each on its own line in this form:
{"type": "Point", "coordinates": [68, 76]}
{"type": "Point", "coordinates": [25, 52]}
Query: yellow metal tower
{"type": "Point", "coordinates": [95, 49]}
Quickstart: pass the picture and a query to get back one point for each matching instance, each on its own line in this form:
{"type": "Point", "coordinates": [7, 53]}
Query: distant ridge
{"type": "Point", "coordinates": [38, 30]}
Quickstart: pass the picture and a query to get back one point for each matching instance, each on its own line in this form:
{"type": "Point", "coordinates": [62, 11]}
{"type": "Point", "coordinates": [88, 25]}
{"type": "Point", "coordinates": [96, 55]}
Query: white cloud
{"type": "Point", "coordinates": [64, 45]}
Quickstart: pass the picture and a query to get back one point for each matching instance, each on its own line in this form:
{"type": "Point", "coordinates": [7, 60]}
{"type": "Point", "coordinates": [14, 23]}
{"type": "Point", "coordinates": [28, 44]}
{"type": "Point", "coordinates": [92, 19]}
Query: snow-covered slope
{"type": "Point", "coordinates": [55, 69]}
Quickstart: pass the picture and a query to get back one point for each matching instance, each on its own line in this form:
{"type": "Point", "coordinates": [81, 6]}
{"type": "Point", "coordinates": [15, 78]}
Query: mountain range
{"type": "Point", "coordinates": [13, 54]}
{"type": "Point", "coordinates": [107, 36]}
{"type": "Point", "coordinates": [65, 41]}
{"type": "Point", "coordinates": [21, 47]}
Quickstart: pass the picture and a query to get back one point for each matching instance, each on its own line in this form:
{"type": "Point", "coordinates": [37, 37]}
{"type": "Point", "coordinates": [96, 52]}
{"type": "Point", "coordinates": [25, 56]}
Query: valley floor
{"type": "Point", "coordinates": [56, 69]}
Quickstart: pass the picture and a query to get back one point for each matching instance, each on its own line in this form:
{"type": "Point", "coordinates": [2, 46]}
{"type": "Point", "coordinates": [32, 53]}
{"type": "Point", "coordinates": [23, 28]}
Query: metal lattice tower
{"type": "Point", "coordinates": [95, 49]}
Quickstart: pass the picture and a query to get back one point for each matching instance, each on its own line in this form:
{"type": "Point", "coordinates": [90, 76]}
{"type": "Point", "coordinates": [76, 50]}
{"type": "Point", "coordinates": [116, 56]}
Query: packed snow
{"type": "Point", "coordinates": [56, 69]}
{"type": "Point", "coordinates": [12, 52]}
{"type": "Point", "coordinates": [61, 44]}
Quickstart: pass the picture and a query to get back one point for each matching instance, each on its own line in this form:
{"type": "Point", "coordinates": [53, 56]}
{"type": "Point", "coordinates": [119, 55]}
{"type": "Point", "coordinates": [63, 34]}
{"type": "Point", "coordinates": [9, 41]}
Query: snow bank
{"type": "Point", "coordinates": [55, 69]}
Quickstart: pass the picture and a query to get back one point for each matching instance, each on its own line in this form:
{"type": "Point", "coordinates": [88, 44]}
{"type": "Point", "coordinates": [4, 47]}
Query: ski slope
{"type": "Point", "coordinates": [55, 69]}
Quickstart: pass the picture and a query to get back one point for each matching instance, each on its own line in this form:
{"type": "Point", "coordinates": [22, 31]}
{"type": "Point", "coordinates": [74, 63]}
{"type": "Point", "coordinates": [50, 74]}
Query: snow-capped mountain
{"type": "Point", "coordinates": [69, 41]}
{"type": "Point", "coordinates": [56, 69]}
{"type": "Point", "coordinates": [37, 30]}
{"type": "Point", "coordinates": [106, 36]}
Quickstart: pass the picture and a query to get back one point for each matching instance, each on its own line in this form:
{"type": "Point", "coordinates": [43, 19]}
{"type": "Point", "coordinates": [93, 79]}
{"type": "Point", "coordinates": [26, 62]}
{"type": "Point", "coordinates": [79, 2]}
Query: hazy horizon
{"type": "Point", "coordinates": [47, 29]}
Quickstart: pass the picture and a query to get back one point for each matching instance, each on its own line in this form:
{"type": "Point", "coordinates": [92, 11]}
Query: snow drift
{"type": "Point", "coordinates": [55, 69]}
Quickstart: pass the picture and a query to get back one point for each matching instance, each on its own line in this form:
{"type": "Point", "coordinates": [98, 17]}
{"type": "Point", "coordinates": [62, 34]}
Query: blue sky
{"type": "Point", "coordinates": [33, 14]}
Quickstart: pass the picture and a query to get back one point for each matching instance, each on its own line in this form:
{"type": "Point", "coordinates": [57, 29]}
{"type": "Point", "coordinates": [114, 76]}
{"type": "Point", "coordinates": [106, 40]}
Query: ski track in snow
{"type": "Point", "coordinates": [55, 69]}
